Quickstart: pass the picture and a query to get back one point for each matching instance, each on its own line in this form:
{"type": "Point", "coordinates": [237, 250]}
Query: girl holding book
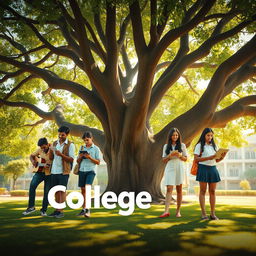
{"type": "Point", "coordinates": [174, 155]}
{"type": "Point", "coordinates": [205, 154]}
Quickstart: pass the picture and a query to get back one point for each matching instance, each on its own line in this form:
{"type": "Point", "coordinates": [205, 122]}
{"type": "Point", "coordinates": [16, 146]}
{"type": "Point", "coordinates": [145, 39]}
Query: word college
{"type": "Point", "coordinates": [108, 199]}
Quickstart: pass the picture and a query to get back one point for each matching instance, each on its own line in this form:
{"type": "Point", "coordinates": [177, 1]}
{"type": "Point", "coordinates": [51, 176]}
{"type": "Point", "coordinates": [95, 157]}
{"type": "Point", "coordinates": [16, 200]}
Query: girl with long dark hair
{"type": "Point", "coordinates": [174, 154]}
{"type": "Point", "coordinates": [205, 153]}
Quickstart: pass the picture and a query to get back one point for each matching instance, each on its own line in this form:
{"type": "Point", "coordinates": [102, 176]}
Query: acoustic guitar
{"type": "Point", "coordinates": [40, 164]}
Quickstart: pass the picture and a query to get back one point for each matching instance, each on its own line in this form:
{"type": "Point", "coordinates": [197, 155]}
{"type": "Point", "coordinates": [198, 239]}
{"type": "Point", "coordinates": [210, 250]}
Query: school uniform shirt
{"type": "Point", "coordinates": [208, 151]}
{"type": "Point", "coordinates": [57, 166]}
{"type": "Point", "coordinates": [87, 165]}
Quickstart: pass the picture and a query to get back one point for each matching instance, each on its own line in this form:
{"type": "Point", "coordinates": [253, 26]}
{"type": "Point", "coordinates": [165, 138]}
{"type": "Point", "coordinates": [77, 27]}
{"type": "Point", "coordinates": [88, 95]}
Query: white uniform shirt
{"type": "Point", "coordinates": [208, 151]}
{"type": "Point", "coordinates": [183, 148]}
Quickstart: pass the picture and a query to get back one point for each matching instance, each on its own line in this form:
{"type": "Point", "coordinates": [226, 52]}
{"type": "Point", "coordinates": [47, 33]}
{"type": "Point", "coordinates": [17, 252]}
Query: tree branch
{"type": "Point", "coordinates": [122, 32]}
{"type": "Point", "coordinates": [58, 116]}
{"type": "Point", "coordinates": [153, 24]}
{"type": "Point", "coordinates": [60, 50]}
{"type": "Point", "coordinates": [32, 50]}
{"type": "Point", "coordinates": [99, 50]}
{"type": "Point", "coordinates": [138, 35]}
{"type": "Point", "coordinates": [35, 109]}
{"type": "Point", "coordinates": [18, 86]}
{"type": "Point", "coordinates": [78, 130]}
{"type": "Point", "coordinates": [111, 44]}
{"type": "Point", "coordinates": [208, 102]}
{"type": "Point", "coordinates": [165, 15]}
{"type": "Point", "coordinates": [93, 101]}
{"type": "Point", "coordinates": [190, 85]}
{"type": "Point", "coordinates": [238, 109]}
{"type": "Point", "coordinates": [17, 45]}
{"type": "Point", "coordinates": [177, 32]}
{"type": "Point", "coordinates": [89, 62]}
{"type": "Point", "coordinates": [98, 26]}
{"type": "Point", "coordinates": [42, 121]}
{"type": "Point", "coordinates": [172, 74]}
{"type": "Point", "coordinates": [242, 74]}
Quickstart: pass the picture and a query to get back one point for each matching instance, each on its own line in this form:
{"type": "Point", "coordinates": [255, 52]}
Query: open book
{"type": "Point", "coordinates": [220, 152]}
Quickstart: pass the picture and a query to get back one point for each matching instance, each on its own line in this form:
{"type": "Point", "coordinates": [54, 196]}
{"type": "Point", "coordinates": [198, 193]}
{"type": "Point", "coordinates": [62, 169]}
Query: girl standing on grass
{"type": "Point", "coordinates": [204, 153]}
{"type": "Point", "coordinates": [174, 154]}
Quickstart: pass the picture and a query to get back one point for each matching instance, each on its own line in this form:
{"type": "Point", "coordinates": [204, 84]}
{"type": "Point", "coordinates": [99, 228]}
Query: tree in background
{"type": "Point", "coordinates": [131, 63]}
{"type": "Point", "coordinates": [14, 169]}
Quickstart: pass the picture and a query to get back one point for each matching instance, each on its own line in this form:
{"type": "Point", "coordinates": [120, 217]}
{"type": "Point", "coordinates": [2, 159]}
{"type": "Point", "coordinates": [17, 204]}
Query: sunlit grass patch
{"type": "Point", "coordinates": [143, 233]}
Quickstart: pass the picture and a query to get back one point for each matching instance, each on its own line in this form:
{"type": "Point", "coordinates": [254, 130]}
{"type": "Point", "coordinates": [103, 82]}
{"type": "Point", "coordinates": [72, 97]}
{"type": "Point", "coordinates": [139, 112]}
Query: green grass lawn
{"type": "Point", "coordinates": [142, 233]}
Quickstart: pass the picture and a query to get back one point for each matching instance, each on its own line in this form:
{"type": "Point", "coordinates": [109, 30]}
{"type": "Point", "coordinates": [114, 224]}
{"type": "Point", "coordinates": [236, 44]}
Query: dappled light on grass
{"type": "Point", "coordinates": [126, 249]}
{"type": "Point", "coordinates": [110, 234]}
{"type": "Point", "coordinates": [159, 225]}
{"type": "Point", "coordinates": [223, 222]}
{"type": "Point", "coordinates": [101, 238]}
{"type": "Point", "coordinates": [243, 215]}
{"type": "Point", "coordinates": [21, 209]}
{"type": "Point", "coordinates": [57, 224]}
{"type": "Point", "coordinates": [215, 229]}
{"type": "Point", "coordinates": [104, 214]}
{"type": "Point", "coordinates": [190, 235]}
{"type": "Point", "coordinates": [150, 217]}
{"type": "Point", "coordinates": [31, 217]}
{"type": "Point", "coordinates": [92, 226]}
{"type": "Point", "coordinates": [194, 250]}
{"type": "Point", "coordinates": [233, 240]}
{"type": "Point", "coordinates": [67, 224]}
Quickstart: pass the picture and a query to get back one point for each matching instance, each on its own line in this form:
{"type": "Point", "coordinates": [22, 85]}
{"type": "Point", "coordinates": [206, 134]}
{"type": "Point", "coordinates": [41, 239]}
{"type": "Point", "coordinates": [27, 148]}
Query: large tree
{"type": "Point", "coordinates": [125, 56]}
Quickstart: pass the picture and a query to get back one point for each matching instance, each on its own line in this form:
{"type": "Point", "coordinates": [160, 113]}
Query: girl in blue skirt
{"type": "Point", "coordinates": [204, 153]}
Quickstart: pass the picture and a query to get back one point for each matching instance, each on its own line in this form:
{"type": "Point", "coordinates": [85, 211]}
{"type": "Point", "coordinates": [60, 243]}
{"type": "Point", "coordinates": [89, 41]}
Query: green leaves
{"type": "Point", "coordinates": [15, 168]}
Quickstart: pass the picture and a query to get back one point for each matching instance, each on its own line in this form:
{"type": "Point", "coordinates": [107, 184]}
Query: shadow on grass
{"type": "Point", "coordinates": [142, 233]}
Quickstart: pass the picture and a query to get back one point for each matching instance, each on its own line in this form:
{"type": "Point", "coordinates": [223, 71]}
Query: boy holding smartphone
{"type": "Point", "coordinates": [89, 157]}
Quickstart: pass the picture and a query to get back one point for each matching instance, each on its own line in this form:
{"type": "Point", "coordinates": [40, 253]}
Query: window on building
{"type": "Point", "coordinates": [234, 172]}
{"type": "Point", "coordinates": [250, 155]}
{"type": "Point", "coordinates": [233, 155]}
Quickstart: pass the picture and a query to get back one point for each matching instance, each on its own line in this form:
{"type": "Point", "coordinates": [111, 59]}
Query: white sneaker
{"type": "Point", "coordinates": [29, 210]}
{"type": "Point", "coordinates": [43, 213]}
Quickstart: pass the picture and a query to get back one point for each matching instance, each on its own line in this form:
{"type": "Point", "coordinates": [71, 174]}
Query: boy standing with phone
{"type": "Point", "coordinates": [89, 157]}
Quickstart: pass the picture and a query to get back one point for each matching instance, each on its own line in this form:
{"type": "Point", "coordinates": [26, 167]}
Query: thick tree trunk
{"type": "Point", "coordinates": [135, 167]}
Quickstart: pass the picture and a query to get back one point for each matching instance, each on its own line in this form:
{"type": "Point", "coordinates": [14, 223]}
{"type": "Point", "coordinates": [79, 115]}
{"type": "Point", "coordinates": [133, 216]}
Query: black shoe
{"type": "Point", "coordinates": [53, 214]}
{"type": "Point", "coordinates": [82, 213]}
{"type": "Point", "coordinates": [29, 210]}
{"type": "Point", "coordinates": [87, 213]}
{"type": "Point", "coordinates": [59, 215]}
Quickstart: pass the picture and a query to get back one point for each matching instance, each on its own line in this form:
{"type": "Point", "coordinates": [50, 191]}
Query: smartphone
{"type": "Point", "coordinates": [83, 152]}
